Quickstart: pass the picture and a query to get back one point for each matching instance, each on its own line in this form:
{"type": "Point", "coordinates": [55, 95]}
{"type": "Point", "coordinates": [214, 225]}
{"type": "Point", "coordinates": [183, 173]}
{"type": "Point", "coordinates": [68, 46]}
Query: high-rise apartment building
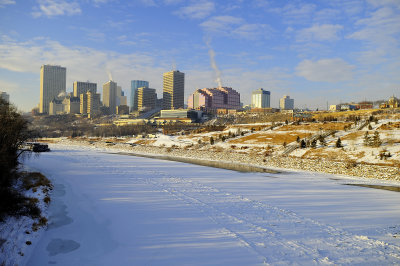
{"type": "Point", "coordinates": [147, 98]}
{"type": "Point", "coordinates": [136, 84]}
{"type": "Point", "coordinates": [52, 83]}
{"type": "Point", "coordinates": [83, 87]}
{"type": "Point", "coordinates": [260, 98]}
{"type": "Point", "coordinates": [286, 103]}
{"type": "Point", "coordinates": [173, 90]}
{"type": "Point", "coordinates": [5, 96]}
{"type": "Point", "coordinates": [110, 96]}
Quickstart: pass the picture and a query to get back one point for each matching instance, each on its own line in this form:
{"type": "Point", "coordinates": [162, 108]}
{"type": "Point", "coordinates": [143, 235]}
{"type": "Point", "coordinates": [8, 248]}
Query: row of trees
{"type": "Point", "coordinates": [13, 133]}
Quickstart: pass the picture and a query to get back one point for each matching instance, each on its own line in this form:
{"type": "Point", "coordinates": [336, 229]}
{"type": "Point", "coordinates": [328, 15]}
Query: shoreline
{"type": "Point", "coordinates": [240, 167]}
{"type": "Point", "coordinates": [272, 163]}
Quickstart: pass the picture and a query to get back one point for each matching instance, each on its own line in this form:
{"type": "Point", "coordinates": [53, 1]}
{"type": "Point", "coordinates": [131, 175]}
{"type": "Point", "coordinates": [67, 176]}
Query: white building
{"type": "Point", "coordinates": [286, 103]}
{"type": "Point", "coordinates": [52, 83]}
{"type": "Point", "coordinates": [260, 99]}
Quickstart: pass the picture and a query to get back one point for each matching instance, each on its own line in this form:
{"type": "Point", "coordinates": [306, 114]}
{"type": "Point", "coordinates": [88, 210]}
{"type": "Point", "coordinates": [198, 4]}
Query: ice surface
{"type": "Point", "coordinates": [110, 209]}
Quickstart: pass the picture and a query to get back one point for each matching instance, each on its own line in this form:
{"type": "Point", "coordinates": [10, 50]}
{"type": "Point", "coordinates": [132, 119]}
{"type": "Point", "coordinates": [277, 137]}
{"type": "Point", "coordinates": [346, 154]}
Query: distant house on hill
{"type": "Point", "coordinates": [393, 102]}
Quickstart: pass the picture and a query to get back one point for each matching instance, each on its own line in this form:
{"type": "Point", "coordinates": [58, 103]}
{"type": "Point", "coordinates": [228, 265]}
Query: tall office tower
{"type": "Point", "coordinates": [147, 99]}
{"type": "Point", "coordinates": [83, 103]}
{"type": "Point", "coordinates": [135, 84]}
{"type": "Point", "coordinates": [83, 87]}
{"type": "Point", "coordinates": [93, 104]}
{"type": "Point", "coordinates": [110, 96]}
{"type": "Point", "coordinates": [286, 103]}
{"type": "Point", "coordinates": [260, 98]}
{"type": "Point", "coordinates": [5, 96]}
{"type": "Point", "coordinates": [52, 83]}
{"type": "Point", "coordinates": [173, 90]}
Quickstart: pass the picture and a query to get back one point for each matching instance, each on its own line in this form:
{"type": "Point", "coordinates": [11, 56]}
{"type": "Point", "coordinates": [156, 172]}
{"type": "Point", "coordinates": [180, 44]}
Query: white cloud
{"type": "Point", "coordinates": [221, 24]}
{"type": "Point", "coordinates": [325, 70]}
{"type": "Point", "coordinates": [235, 27]}
{"type": "Point", "coordinates": [52, 8]}
{"type": "Point", "coordinates": [325, 32]}
{"type": "Point", "coordinates": [293, 13]}
{"type": "Point", "coordinates": [252, 31]}
{"type": "Point", "coordinates": [379, 3]}
{"type": "Point", "coordinates": [4, 3]}
{"type": "Point", "coordinates": [196, 10]}
{"type": "Point", "coordinates": [381, 29]}
{"type": "Point", "coordinates": [82, 63]}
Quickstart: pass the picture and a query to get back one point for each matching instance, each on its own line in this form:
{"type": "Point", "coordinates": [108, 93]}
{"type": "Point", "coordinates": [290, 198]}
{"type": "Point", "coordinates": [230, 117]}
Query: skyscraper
{"type": "Point", "coordinates": [147, 98]}
{"type": "Point", "coordinates": [260, 98]}
{"type": "Point", "coordinates": [286, 103]}
{"type": "Point", "coordinates": [173, 90]}
{"type": "Point", "coordinates": [52, 83]}
{"type": "Point", "coordinates": [83, 87]}
{"type": "Point", "coordinates": [110, 96]}
{"type": "Point", "coordinates": [135, 84]}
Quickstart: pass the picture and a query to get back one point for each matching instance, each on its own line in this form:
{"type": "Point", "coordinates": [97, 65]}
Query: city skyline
{"type": "Point", "coordinates": [339, 51]}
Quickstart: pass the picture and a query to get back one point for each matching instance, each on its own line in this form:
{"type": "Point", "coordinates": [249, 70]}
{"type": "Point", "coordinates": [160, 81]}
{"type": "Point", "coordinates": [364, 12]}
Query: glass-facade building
{"type": "Point", "coordinates": [260, 99]}
{"type": "Point", "coordinates": [135, 84]}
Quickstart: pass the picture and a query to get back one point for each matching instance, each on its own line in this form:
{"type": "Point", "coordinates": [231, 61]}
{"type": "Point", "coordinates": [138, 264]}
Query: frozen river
{"type": "Point", "coordinates": [110, 209]}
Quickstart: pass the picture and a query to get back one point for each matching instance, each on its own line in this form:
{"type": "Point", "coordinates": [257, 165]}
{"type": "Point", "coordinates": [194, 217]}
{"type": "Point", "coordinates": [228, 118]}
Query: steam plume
{"type": "Point", "coordinates": [109, 75]}
{"type": "Point", "coordinates": [214, 64]}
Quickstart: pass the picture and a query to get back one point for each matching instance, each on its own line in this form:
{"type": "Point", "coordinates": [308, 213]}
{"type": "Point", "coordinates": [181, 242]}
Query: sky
{"type": "Point", "coordinates": [318, 52]}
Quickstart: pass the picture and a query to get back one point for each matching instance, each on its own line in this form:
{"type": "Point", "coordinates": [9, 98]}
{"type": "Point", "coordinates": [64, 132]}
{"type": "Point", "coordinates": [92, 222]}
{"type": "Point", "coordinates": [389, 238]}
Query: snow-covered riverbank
{"type": "Point", "coordinates": [126, 210]}
{"type": "Point", "coordinates": [271, 162]}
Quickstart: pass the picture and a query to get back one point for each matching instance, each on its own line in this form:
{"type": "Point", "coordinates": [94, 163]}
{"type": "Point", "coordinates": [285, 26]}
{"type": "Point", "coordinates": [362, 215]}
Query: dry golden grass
{"type": "Point", "coordinates": [144, 142]}
{"type": "Point", "coordinates": [316, 126]}
{"type": "Point", "coordinates": [269, 138]}
{"type": "Point", "coordinates": [391, 126]}
{"type": "Point", "coordinates": [322, 115]}
{"type": "Point", "coordinates": [353, 136]}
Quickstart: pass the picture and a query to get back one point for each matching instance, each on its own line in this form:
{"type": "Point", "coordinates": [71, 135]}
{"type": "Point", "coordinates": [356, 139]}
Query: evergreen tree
{"type": "Point", "coordinates": [303, 144]}
{"type": "Point", "coordinates": [322, 140]}
{"type": "Point", "coordinates": [366, 139]}
{"type": "Point", "coordinates": [211, 140]}
{"type": "Point", "coordinates": [339, 143]}
{"type": "Point", "coordinates": [298, 139]}
{"type": "Point", "coordinates": [314, 143]}
{"type": "Point", "coordinates": [376, 140]}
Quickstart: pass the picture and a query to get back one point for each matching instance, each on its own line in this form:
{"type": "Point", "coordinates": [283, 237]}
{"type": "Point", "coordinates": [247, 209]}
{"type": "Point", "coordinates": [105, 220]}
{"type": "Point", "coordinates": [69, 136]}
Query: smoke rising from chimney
{"type": "Point", "coordinates": [214, 64]}
{"type": "Point", "coordinates": [62, 94]}
{"type": "Point", "coordinates": [109, 75]}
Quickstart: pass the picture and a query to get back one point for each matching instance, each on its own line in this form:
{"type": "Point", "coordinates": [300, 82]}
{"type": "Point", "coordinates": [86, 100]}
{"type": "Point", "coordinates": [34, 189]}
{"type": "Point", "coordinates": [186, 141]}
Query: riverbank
{"type": "Point", "coordinates": [277, 163]}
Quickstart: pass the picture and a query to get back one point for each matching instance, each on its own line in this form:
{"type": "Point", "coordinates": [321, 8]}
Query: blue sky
{"type": "Point", "coordinates": [315, 51]}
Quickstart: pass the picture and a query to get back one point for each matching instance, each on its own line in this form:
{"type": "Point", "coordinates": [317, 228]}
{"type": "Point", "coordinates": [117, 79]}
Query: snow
{"type": "Point", "coordinates": [18, 232]}
{"type": "Point", "coordinates": [110, 209]}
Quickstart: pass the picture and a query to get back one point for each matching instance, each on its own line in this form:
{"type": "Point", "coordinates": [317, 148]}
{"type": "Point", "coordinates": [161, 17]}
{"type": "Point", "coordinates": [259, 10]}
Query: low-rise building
{"type": "Point", "coordinates": [56, 107]}
{"type": "Point", "coordinates": [71, 105]}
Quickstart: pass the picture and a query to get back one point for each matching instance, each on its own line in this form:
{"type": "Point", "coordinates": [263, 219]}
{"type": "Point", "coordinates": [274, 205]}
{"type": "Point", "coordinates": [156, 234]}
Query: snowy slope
{"type": "Point", "coordinates": [110, 209]}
